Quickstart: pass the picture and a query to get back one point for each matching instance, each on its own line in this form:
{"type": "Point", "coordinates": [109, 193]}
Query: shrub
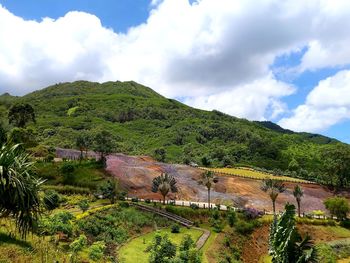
{"type": "Point", "coordinates": [134, 199]}
{"type": "Point", "coordinates": [345, 223]}
{"type": "Point", "coordinates": [194, 206]}
{"type": "Point", "coordinates": [244, 227]}
{"type": "Point", "coordinates": [147, 201]}
{"type": "Point", "coordinates": [96, 250]}
{"type": "Point", "coordinates": [51, 199]}
{"type": "Point", "coordinates": [84, 205]}
{"type": "Point", "coordinates": [231, 217]}
{"type": "Point", "coordinates": [326, 254]}
{"type": "Point", "coordinates": [67, 189]}
{"type": "Point", "coordinates": [78, 244]}
{"type": "Point", "coordinates": [175, 228]}
{"type": "Point", "coordinates": [252, 213]}
{"type": "Point", "coordinates": [217, 226]}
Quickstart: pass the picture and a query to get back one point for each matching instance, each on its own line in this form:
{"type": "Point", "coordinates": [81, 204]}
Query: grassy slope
{"type": "Point", "coordinates": [68, 109]}
{"type": "Point", "coordinates": [134, 251]}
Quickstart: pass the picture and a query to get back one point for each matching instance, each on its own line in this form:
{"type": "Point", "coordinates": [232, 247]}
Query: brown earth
{"type": "Point", "coordinates": [137, 172]}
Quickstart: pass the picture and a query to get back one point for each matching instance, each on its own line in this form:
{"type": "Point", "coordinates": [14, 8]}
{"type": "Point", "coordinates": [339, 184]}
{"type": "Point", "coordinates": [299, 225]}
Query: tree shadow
{"type": "Point", "coordinates": [8, 239]}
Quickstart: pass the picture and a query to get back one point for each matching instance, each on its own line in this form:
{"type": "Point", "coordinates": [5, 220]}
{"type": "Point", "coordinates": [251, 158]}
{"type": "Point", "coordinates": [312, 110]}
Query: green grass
{"type": "Point", "coordinates": [265, 259]}
{"type": "Point", "coordinates": [134, 251]}
{"type": "Point", "coordinates": [208, 244]}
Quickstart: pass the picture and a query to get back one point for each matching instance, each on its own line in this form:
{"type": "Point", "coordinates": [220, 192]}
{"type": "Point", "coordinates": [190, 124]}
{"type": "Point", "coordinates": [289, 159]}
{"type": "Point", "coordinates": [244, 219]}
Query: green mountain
{"type": "Point", "coordinates": [143, 121]}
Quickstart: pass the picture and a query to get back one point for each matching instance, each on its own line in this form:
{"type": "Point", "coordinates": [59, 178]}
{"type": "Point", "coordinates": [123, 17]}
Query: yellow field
{"type": "Point", "coordinates": [253, 174]}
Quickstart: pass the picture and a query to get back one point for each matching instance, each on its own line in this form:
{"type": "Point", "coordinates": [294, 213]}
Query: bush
{"type": "Point", "coordinates": [194, 206]}
{"type": "Point", "coordinates": [244, 227]}
{"type": "Point", "coordinates": [84, 205]}
{"type": "Point", "coordinates": [78, 244]}
{"type": "Point", "coordinates": [231, 217]}
{"type": "Point", "coordinates": [345, 223]}
{"type": "Point", "coordinates": [217, 225]}
{"type": "Point", "coordinates": [134, 199]}
{"type": "Point", "coordinates": [96, 250]}
{"type": "Point", "coordinates": [147, 201]}
{"type": "Point", "coordinates": [252, 213]}
{"type": "Point", "coordinates": [175, 228]}
{"type": "Point", "coordinates": [51, 199]}
{"type": "Point", "coordinates": [67, 189]}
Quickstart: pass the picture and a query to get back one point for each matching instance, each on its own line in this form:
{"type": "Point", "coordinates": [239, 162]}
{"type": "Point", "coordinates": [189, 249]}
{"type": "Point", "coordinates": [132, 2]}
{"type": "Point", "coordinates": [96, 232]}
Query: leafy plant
{"type": "Point", "coordinates": [164, 184]}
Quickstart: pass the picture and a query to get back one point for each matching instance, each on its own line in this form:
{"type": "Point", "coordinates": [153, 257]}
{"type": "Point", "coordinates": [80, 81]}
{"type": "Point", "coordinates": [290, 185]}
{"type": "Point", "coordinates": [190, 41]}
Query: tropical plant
{"type": "Point", "coordinates": [20, 114]}
{"type": "Point", "coordinates": [285, 243]}
{"type": "Point", "coordinates": [273, 188]}
{"type": "Point", "coordinates": [298, 194]}
{"type": "Point", "coordinates": [19, 189]}
{"type": "Point", "coordinates": [164, 184]}
{"type": "Point", "coordinates": [208, 180]}
{"type": "Point", "coordinates": [337, 206]}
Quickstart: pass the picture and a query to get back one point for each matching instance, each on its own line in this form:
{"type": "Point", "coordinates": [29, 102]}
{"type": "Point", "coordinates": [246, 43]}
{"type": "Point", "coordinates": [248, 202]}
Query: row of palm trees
{"type": "Point", "coordinates": [166, 183]}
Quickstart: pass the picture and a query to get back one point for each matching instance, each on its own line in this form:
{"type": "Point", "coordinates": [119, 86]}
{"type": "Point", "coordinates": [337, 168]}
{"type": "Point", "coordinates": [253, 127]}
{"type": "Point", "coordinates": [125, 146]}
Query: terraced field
{"type": "Point", "coordinates": [253, 174]}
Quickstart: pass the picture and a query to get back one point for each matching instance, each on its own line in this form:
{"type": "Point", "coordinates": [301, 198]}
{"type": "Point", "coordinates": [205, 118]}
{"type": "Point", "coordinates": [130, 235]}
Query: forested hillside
{"type": "Point", "coordinates": [143, 122]}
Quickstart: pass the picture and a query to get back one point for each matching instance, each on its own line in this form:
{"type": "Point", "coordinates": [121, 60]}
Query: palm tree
{"type": "Point", "coordinates": [273, 188]}
{"type": "Point", "coordinates": [19, 190]}
{"type": "Point", "coordinates": [298, 194]}
{"type": "Point", "coordinates": [208, 180]}
{"type": "Point", "coordinates": [164, 184]}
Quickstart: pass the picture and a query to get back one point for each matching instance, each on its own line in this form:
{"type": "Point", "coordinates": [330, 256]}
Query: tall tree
{"type": "Point", "coordinates": [208, 180]}
{"type": "Point", "coordinates": [337, 163]}
{"type": "Point", "coordinates": [103, 144]}
{"type": "Point", "coordinates": [298, 194]}
{"type": "Point", "coordinates": [109, 190]}
{"type": "Point", "coordinates": [20, 114]}
{"type": "Point", "coordinates": [285, 243]}
{"type": "Point", "coordinates": [83, 142]}
{"type": "Point", "coordinates": [273, 188]}
{"type": "Point", "coordinates": [164, 184]}
{"type": "Point", "coordinates": [19, 189]}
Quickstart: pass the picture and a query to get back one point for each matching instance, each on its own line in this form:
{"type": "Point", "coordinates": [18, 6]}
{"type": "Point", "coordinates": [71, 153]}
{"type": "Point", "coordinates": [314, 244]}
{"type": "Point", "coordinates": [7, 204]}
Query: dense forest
{"type": "Point", "coordinates": [139, 121]}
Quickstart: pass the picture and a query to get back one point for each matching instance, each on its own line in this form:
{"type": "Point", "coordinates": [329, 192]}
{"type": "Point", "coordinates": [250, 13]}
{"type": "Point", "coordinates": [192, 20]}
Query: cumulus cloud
{"type": "Point", "coordinates": [327, 104]}
{"type": "Point", "coordinates": [215, 54]}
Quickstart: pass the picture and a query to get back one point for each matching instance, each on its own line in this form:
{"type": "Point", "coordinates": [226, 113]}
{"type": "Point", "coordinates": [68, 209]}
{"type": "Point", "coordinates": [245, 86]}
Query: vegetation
{"type": "Point", "coordinates": [19, 189]}
{"type": "Point", "coordinates": [20, 114]}
{"type": "Point", "coordinates": [273, 188]}
{"type": "Point", "coordinates": [337, 206]}
{"type": "Point", "coordinates": [208, 180]}
{"type": "Point", "coordinates": [164, 184]}
{"type": "Point", "coordinates": [173, 132]}
{"type": "Point", "coordinates": [286, 244]}
{"type": "Point", "coordinates": [298, 194]}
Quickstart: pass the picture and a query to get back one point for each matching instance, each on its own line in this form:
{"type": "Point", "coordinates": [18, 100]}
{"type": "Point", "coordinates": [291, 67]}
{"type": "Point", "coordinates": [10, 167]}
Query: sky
{"type": "Point", "coordinates": [283, 61]}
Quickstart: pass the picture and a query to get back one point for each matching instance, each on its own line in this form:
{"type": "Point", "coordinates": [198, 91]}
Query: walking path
{"type": "Point", "coordinates": [201, 241]}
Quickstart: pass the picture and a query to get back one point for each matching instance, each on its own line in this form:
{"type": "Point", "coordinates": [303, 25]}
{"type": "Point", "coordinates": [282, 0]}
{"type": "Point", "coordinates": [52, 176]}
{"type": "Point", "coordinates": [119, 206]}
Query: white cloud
{"type": "Point", "coordinates": [216, 54]}
{"type": "Point", "coordinates": [327, 104]}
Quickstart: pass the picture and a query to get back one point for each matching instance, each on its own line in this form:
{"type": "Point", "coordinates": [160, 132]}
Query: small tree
{"type": "Point", "coordinates": [84, 205]}
{"type": "Point", "coordinates": [298, 194]}
{"type": "Point", "coordinates": [96, 250]}
{"type": "Point", "coordinates": [188, 252]}
{"type": "Point", "coordinates": [164, 184]}
{"type": "Point", "coordinates": [337, 206]}
{"type": "Point", "coordinates": [273, 188]}
{"type": "Point", "coordinates": [67, 171]}
{"type": "Point", "coordinates": [162, 250]}
{"type": "Point", "coordinates": [208, 180]}
{"type": "Point", "coordinates": [20, 114]}
{"type": "Point", "coordinates": [109, 190]}
{"type": "Point", "coordinates": [231, 217]}
{"type": "Point", "coordinates": [77, 245]}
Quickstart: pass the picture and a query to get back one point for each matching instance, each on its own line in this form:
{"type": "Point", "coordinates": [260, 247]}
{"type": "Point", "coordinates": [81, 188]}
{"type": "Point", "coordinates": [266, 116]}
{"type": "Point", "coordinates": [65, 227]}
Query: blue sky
{"type": "Point", "coordinates": [290, 66]}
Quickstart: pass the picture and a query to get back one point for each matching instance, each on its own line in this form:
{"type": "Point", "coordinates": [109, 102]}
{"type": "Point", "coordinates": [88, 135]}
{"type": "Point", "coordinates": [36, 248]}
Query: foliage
{"type": "Point", "coordinates": [175, 228]}
{"type": "Point", "coordinates": [162, 250]}
{"type": "Point", "coordinates": [231, 217]}
{"type": "Point", "coordinates": [60, 222]}
{"type": "Point", "coordinates": [273, 188]}
{"type": "Point", "coordinates": [298, 194]}
{"type": "Point", "coordinates": [96, 250]}
{"type": "Point", "coordinates": [337, 206]}
{"type": "Point", "coordinates": [67, 189]}
{"type": "Point", "coordinates": [109, 190]}
{"type": "Point", "coordinates": [19, 189]}
{"type": "Point", "coordinates": [208, 180]}
{"type": "Point", "coordinates": [188, 252]}
{"type": "Point", "coordinates": [103, 144]}
{"type": "Point", "coordinates": [155, 122]}
{"type": "Point", "coordinates": [3, 136]}
{"type": "Point", "coordinates": [51, 200]}
{"type": "Point", "coordinates": [286, 244]}
{"type": "Point", "coordinates": [245, 227]}
{"type": "Point", "coordinates": [252, 213]}
{"type": "Point", "coordinates": [164, 184]}
{"type": "Point", "coordinates": [84, 205]}
{"type": "Point", "coordinates": [160, 154]}
{"type": "Point", "coordinates": [78, 244]}
{"type": "Point", "coordinates": [20, 114]}
{"type": "Point", "coordinates": [326, 254]}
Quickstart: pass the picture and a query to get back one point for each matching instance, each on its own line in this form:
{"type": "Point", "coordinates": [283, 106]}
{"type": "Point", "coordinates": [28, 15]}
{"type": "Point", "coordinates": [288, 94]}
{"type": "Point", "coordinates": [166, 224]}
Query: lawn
{"type": "Point", "coordinates": [134, 251]}
{"type": "Point", "coordinates": [250, 173]}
